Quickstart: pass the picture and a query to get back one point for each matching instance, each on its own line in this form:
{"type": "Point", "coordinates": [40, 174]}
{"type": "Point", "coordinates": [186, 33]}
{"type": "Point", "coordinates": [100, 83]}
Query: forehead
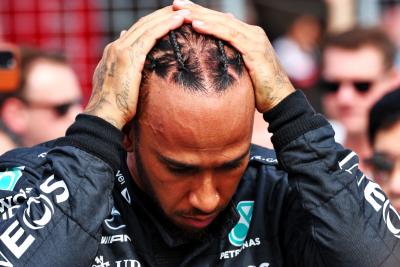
{"type": "Point", "coordinates": [364, 63]}
{"type": "Point", "coordinates": [387, 140]}
{"type": "Point", "coordinates": [53, 80]}
{"type": "Point", "coordinates": [174, 117]}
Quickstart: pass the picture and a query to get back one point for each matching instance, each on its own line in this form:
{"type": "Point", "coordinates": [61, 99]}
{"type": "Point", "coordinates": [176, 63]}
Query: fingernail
{"type": "Point", "coordinates": [122, 33]}
{"type": "Point", "coordinates": [198, 23]}
{"type": "Point", "coordinates": [178, 17]}
{"type": "Point", "coordinates": [183, 2]}
{"type": "Point", "coordinates": [183, 12]}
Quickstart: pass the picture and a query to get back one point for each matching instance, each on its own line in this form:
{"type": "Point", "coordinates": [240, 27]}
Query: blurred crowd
{"type": "Point", "coordinates": [344, 55]}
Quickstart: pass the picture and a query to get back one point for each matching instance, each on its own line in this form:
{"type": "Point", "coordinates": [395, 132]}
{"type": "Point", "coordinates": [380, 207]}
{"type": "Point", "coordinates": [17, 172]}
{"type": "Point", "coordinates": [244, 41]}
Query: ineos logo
{"type": "Point", "coordinates": [43, 204]}
{"type": "Point", "coordinates": [38, 213]}
{"type": "Point", "coordinates": [387, 211]}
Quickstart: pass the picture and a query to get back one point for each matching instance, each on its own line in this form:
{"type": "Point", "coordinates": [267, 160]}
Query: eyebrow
{"type": "Point", "coordinates": [184, 165]}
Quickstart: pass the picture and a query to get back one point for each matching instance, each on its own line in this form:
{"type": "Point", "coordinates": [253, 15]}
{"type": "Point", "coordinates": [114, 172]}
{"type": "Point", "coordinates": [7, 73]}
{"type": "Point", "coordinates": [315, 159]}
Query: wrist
{"type": "Point", "coordinates": [270, 99]}
{"type": "Point", "coordinates": [109, 115]}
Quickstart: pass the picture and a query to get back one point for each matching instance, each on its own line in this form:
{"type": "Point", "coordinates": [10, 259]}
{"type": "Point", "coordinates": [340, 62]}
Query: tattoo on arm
{"type": "Point", "coordinates": [112, 69]}
{"type": "Point", "coordinates": [123, 96]}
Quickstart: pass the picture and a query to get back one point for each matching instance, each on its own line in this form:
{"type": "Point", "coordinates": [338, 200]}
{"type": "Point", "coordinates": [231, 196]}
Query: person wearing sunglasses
{"type": "Point", "coordinates": [46, 101]}
{"type": "Point", "coordinates": [384, 137]}
{"type": "Point", "coordinates": [357, 69]}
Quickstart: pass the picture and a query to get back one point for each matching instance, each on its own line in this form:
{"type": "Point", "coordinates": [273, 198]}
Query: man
{"type": "Point", "coordinates": [6, 143]}
{"type": "Point", "coordinates": [191, 191]}
{"type": "Point", "coordinates": [384, 134]}
{"type": "Point", "coordinates": [9, 79]}
{"type": "Point", "coordinates": [358, 69]}
{"type": "Point", "coordinates": [46, 101]}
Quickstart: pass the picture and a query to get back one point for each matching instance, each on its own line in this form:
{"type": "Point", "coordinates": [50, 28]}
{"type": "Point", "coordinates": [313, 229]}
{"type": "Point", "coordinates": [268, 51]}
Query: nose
{"type": "Point", "coordinates": [204, 195]}
{"type": "Point", "coordinates": [345, 93]}
{"type": "Point", "coordinates": [74, 111]}
{"type": "Point", "coordinates": [394, 182]}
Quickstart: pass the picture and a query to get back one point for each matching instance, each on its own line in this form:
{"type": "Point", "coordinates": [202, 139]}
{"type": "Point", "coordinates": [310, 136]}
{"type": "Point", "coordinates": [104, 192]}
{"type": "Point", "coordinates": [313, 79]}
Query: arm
{"type": "Point", "coordinates": [52, 214]}
{"type": "Point", "coordinates": [54, 201]}
{"type": "Point", "coordinates": [334, 215]}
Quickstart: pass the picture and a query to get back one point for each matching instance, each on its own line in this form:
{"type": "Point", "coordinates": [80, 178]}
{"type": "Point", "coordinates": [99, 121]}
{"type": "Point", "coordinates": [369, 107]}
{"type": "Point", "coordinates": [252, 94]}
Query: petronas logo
{"type": "Point", "coordinates": [10, 177]}
{"type": "Point", "coordinates": [238, 234]}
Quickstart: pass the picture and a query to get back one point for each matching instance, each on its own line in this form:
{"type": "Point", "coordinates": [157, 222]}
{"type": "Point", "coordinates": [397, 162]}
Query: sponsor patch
{"type": "Point", "coordinates": [238, 234]}
{"type": "Point", "coordinates": [10, 177]}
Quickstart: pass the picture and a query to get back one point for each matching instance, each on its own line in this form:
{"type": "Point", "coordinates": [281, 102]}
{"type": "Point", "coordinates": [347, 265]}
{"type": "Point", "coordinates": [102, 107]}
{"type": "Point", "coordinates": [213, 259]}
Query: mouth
{"type": "Point", "coordinates": [198, 222]}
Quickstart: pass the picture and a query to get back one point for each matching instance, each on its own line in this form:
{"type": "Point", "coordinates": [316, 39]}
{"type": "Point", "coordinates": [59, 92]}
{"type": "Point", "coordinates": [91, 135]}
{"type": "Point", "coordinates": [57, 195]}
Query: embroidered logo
{"type": "Point", "coordinates": [238, 234]}
{"type": "Point", "coordinates": [9, 178]}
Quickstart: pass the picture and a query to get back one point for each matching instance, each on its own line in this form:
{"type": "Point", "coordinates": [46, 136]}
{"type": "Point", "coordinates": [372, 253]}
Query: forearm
{"type": "Point", "coordinates": [337, 208]}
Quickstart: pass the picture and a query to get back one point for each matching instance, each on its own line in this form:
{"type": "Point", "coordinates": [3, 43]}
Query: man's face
{"type": "Point", "coordinates": [348, 105]}
{"type": "Point", "coordinates": [193, 149]}
{"type": "Point", "coordinates": [52, 96]}
{"type": "Point", "coordinates": [386, 169]}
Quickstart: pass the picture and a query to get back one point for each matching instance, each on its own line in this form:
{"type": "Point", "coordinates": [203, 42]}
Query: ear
{"type": "Point", "coordinates": [127, 143]}
{"type": "Point", "coordinates": [128, 139]}
{"type": "Point", "coordinates": [394, 79]}
{"type": "Point", "coordinates": [15, 115]}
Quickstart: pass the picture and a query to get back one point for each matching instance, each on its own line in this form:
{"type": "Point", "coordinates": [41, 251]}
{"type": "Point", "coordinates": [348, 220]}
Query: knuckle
{"type": "Point", "coordinates": [234, 33]}
{"type": "Point", "coordinates": [229, 15]}
{"type": "Point", "coordinates": [259, 30]}
{"type": "Point", "coordinates": [146, 33]}
{"type": "Point", "coordinates": [114, 48]}
{"type": "Point", "coordinates": [141, 20]}
{"type": "Point", "coordinates": [106, 49]}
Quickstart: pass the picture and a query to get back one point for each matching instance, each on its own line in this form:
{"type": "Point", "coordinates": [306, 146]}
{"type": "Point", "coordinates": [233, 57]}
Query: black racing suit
{"type": "Point", "coordinates": [72, 202]}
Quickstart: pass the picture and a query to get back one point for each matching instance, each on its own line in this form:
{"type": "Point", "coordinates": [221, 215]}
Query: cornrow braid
{"type": "Point", "coordinates": [224, 58]}
{"type": "Point", "coordinates": [153, 62]}
{"type": "Point", "coordinates": [177, 50]}
{"type": "Point", "coordinates": [237, 63]}
{"type": "Point", "coordinates": [221, 77]}
{"type": "Point", "coordinates": [189, 59]}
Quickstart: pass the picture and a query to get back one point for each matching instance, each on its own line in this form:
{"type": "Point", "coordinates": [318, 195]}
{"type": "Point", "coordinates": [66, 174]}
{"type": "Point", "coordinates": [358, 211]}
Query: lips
{"type": "Point", "coordinates": [198, 222]}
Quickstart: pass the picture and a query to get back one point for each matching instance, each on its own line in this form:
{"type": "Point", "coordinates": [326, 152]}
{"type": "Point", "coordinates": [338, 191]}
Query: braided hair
{"type": "Point", "coordinates": [194, 61]}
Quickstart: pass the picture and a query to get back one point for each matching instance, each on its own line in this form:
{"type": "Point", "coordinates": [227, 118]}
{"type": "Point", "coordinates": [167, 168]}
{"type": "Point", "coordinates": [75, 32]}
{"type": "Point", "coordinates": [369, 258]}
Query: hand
{"type": "Point", "coordinates": [271, 84]}
{"type": "Point", "coordinates": [117, 77]}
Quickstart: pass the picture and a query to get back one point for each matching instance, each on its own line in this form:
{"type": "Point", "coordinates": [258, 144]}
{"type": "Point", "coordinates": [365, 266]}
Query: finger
{"type": "Point", "coordinates": [235, 34]}
{"type": "Point", "coordinates": [201, 13]}
{"type": "Point", "coordinates": [122, 33]}
{"type": "Point", "coordinates": [145, 28]}
{"type": "Point", "coordinates": [158, 30]}
{"type": "Point", "coordinates": [188, 5]}
{"type": "Point", "coordinates": [151, 17]}
{"type": "Point", "coordinates": [139, 46]}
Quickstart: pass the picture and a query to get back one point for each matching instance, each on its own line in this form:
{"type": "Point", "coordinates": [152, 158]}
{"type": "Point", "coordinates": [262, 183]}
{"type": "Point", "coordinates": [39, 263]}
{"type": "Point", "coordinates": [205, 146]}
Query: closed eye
{"type": "Point", "coordinates": [182, 169]}
{"type": "Point", "coordinates": [231, 165]}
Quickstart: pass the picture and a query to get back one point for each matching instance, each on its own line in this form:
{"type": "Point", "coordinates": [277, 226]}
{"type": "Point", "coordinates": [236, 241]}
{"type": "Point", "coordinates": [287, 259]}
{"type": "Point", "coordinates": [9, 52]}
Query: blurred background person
{"type": "Point", "coordinates": [384, 136]}
{"type": "Point", "coordinates": [46, 101]}
{"type": "Point", "coordinates": [9, 79]}
{"type": "Point", "coordinates": [297, 50]}
{"type": "Point", "coordinates": [390, 23]}
{"type": "Point", "coordinates": [357, 70]}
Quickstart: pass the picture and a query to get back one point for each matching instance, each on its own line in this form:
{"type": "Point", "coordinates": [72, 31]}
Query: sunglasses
{"type": "Point", "coordinates": [60, 109]}
{"type": "Point", "coordinates": [380, 162]}
{"type": "Point", "coordinates": [382, 165]}
{"type": "Point", "coordinates": [333, 86]}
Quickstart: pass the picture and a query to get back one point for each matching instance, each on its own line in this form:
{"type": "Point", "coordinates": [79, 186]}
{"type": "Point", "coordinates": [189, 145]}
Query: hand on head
{"type": "Point", "coordinates": [117, 78]}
